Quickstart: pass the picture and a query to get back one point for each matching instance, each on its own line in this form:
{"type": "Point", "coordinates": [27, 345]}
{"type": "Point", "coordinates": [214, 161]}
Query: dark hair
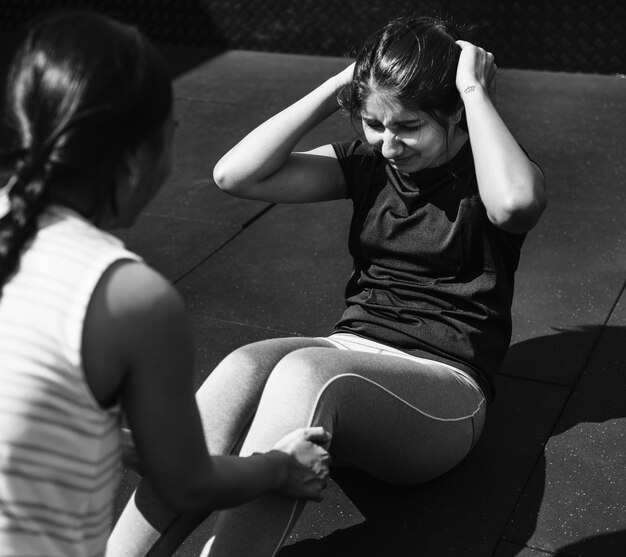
{"type": "Point", "coordinates": [83, 90]}
{"type": "Point", "coordinates": [414, 61]}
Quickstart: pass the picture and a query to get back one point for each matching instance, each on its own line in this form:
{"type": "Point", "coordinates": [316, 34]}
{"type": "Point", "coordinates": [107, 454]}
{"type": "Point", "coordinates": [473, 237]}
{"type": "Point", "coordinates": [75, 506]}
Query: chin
{"type": "Point", "coordinates": [409, 169]}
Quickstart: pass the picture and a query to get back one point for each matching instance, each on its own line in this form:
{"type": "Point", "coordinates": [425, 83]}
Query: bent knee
{"type": "Point", "coordinates": [242, 359]}
{"type": "Point", "coordinates": [306, 366]}
{"type": "Point", "coordinates": [299, 377]}
{"type": "Point", "coordinates": [244, 364]}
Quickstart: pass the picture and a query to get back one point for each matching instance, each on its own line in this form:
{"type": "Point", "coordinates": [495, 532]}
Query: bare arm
{"type": "Point", "coordinates": [138, 342]}
{"type": "Point", "coordinates": [511, 187]}
{"type": "Point", "coordinates": [263, 165]}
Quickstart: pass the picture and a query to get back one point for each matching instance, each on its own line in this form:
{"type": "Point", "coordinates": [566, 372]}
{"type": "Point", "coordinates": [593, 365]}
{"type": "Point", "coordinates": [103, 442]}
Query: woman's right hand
{"type": "Point", "coordinates": [307, 472]}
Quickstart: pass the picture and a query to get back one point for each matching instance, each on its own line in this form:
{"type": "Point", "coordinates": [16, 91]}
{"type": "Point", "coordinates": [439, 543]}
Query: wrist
{"type": "Point", "coordinates": [332, 88]}
{"type": "Point", "coordinates": [277, 463]}
{"type": "Point", "coordinates": [344, 77]}
{"type": "Point", "coordinates": [471, 91]}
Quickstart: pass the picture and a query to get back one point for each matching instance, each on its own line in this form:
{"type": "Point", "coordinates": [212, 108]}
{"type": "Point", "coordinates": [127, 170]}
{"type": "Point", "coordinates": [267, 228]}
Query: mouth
{"type": "Point", "coordinates": [401, 162]}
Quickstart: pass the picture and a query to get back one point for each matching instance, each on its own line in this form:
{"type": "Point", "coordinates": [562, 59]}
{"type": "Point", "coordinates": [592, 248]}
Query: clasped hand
{"type": "Point", "coordinates": [308, 472]}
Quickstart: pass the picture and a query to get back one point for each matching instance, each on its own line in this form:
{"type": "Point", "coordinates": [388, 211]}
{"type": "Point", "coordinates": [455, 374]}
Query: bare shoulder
{"type": "Point", "coordinates": [134, 290]}
{"type": "Point", "coordinates": [134, 314]}
{"type": "Point", "coordinates": [142, 306]}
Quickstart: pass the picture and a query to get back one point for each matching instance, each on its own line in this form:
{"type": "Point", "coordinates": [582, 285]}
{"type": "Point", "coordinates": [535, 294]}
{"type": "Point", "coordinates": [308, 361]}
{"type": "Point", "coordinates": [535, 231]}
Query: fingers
{"type": "Point", "coordinates": [317, 435]}
{"type": "Point", "coordinates": [320, 464]}
{"type": "Point", "coordinates": [310, 432]}
{"type": "Point", "coordinates": [489, 57]}
{"type": "Point", "coordinates": [320, 485]}
{"type": "Point", "coordinates": [308, 484]}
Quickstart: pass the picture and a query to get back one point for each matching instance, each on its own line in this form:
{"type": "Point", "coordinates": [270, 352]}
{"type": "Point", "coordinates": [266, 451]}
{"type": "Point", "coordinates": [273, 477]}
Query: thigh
{"type": "Point", "coordinates": [398, 419]}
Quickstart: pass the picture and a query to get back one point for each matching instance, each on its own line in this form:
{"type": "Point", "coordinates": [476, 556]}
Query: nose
{"type": "Point", "coordinates": [391, 146]}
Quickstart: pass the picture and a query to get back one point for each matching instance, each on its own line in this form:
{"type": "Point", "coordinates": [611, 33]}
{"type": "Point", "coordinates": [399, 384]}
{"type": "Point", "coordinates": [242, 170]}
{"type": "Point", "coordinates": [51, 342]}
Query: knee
{"type": "Point", "coordinates": [245, 358]}
{"type": "Point", "coordinates": [297, 383]}
{"type": "Point", "coordinates": [239, 363]}
{"type": "Point", "coordinates": [240, 366]}
{"type": "Point", "coordinates": [299, 376]}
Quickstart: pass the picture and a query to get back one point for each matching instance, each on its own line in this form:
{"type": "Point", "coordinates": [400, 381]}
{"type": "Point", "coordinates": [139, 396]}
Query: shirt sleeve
{"type": "Point", "coordinates": [358, 162]}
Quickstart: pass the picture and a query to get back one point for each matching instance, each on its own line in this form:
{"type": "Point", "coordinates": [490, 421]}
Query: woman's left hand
{"type": "Point", "coordinates": [476, 68]}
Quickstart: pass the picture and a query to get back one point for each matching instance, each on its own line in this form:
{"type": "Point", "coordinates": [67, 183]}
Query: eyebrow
{"type": "Point", "coordinates": [400, 123]}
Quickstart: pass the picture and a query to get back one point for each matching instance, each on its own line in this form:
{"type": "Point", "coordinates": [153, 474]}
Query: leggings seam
{"type": "Point", "coordinates": [316, 405]}
{"type": "Point", "coordinates": [328, 383]}
{"type": "Point", "coordinates": [287, 529]}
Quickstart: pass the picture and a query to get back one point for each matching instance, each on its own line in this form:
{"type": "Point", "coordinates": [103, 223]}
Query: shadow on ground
{"type": "Point", "coordinates": [396, 519]}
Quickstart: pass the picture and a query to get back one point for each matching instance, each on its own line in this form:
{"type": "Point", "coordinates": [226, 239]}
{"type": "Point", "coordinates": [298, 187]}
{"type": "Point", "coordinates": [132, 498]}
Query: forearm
{"type": "Point", "coordinates": [267, 148]}
{"type": "Point", "coordinates": [170, 440]}
{"type": "Point", "coordinates": [511, 186]}
{"type": "Point", "coordinates": [229, 481]}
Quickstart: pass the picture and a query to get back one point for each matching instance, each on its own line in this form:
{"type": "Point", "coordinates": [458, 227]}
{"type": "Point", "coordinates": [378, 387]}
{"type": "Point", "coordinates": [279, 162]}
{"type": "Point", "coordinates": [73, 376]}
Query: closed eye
{"type": "Point", "coordinates": [374, 125]}
{"type": "Point", "coordinates": [407, 128]}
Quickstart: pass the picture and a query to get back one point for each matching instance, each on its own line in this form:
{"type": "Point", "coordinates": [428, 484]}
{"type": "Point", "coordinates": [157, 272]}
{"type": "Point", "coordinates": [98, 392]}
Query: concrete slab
{"type": "Point", "coordinates": [243, 89]}
{"type": "Point", "coordinates": [255, 78]}
{"type": "Point", "coordinates": [215, 339]}
{"type": "Point", "coordinates": [566, 281]}
{"type": "Point", "coordinates": [574, 262]}
{"type": "Point", "coordinates": [287, 272]}
{"type": "Point", "coordinates": [175, 246]}
{"type": "Point", "coordinates": [190, 193]}
{"type": "Point", "coordinates": [579, 500]}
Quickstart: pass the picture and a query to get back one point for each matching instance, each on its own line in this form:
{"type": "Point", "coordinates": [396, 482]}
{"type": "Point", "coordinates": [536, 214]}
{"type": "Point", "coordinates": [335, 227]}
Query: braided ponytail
{"type": "Point", "coordinates": [83, 91]}
{"type": "Point", "coordinates": [26, 201]}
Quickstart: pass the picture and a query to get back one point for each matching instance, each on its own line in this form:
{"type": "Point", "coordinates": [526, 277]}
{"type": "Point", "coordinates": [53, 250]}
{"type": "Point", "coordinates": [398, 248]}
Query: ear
{"type": "Point", "coordinates": [456, 117]}
{"type": "Point", "coordinates": [128, 170]}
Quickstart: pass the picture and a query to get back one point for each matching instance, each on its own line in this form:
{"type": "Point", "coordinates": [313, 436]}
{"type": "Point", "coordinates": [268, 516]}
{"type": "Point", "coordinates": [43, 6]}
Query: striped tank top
{"type": "Point", "coordinates": [59, 450]}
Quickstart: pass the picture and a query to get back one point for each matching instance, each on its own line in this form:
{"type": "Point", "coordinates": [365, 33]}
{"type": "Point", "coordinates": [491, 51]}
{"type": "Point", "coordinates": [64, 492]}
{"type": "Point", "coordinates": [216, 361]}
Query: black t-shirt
{"type": "Point", "coordinates": [432, 276]}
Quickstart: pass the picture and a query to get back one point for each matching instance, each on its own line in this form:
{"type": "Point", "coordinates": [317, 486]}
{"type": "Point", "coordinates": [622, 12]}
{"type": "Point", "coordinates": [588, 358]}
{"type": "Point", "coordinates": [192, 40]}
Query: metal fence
{"type": "Point", "coordinates": [574, 36]}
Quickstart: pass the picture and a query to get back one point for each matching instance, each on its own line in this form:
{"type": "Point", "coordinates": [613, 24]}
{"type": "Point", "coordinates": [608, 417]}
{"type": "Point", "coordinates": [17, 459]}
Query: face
{"type": "Point", "coordinates": [410, 141]}
{"type": "Point", "coordinates": [149, 169]}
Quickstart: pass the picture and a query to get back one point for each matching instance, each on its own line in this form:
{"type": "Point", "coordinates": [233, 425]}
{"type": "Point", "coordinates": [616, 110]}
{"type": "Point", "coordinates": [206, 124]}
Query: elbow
{"type": "Point", "coordinates": [519, 206]}
{"type": "Point", "coordinates": [519, 216]}
{"type": "Point", "coordinates": [223, 179]}
{"type": "Point", "coordinates": [227, 180]}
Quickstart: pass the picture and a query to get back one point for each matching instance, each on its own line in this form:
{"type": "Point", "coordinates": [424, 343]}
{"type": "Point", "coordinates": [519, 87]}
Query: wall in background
{"type": "Point", "coordinates": [584, 36]}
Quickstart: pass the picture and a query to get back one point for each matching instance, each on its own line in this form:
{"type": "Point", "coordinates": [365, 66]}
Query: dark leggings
{"type": "Point", "coordinates": [402, 419]}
